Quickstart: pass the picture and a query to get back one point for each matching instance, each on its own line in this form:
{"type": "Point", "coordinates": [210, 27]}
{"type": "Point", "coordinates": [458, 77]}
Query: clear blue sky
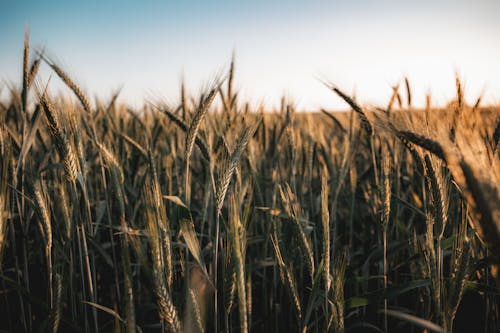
{"type": "Point", "coordinates": [281, 46]}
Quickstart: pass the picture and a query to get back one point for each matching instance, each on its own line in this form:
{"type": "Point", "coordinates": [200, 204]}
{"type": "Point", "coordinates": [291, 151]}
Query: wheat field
{"type": "Point", "coordinates": [211, 216]}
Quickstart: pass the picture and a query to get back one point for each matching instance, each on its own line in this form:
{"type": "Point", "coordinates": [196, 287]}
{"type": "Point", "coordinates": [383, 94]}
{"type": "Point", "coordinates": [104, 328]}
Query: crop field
{"type": "Point", "coordinates": [211, 216]}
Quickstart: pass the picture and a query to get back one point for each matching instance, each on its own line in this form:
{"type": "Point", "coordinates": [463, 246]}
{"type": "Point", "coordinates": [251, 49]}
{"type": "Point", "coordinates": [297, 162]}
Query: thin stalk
{"type": "Point", "coordinates": [384, 241]}
{"type": "Point", "coordinates": [217, 235]}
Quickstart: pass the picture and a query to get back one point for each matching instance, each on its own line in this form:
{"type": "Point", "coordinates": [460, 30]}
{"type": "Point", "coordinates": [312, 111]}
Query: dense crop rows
{"type": "Point", "coordinates": [210, 216]}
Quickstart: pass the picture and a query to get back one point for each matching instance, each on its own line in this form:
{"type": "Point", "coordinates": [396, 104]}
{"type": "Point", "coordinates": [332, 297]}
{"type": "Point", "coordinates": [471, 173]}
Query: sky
{"type": "Point", "coordinates": [281, 47]}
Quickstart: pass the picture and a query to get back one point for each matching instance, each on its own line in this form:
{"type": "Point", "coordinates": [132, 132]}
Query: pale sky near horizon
{"type": "Point", "coordinates": [281, 47]}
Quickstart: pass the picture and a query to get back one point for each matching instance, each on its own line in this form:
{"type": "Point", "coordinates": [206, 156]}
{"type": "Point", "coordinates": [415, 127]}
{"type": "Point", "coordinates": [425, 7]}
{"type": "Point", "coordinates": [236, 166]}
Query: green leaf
{"type": "Point", "coordinates": [356, 302]}
{"type": "Point", "coordinates": [176, 200]}
{"type": "Point", "coordinates": [414, 320]}
{"type": "Point", "coordinates": [105, 309]}
{"type": "Point", "coordinates": [390, 293]}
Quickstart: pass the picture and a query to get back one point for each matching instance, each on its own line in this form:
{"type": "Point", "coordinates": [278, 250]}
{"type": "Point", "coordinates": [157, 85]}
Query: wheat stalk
{"type": "Point", "coordinates": [26, 73]}
{"type": "Point", "coordinates": [232, 164]}
{"type": "Point", "coordinates": [237, 234]}
{"type": "Point", "coordinates": [44, 214]}
{"type": "Point", "coordinates": [325, 221]}
{"type": "Point", "coordinates": [56, 311]}
{"type": "Point", "coordinates": [291, 207]}
{"type": "Point", "coordinates": [79, 93]}
{"type": "Point", "coordinates": [182, 125]}
{"type": "Point", "coordinates": [61, 141]}
{"type": "Point", "coordinates": [365, 122]}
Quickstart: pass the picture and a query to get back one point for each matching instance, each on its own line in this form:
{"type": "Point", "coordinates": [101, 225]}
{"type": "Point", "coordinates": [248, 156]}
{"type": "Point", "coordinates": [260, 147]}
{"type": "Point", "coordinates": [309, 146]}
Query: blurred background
{"type": "Point", "coordinates": [365, 47]}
